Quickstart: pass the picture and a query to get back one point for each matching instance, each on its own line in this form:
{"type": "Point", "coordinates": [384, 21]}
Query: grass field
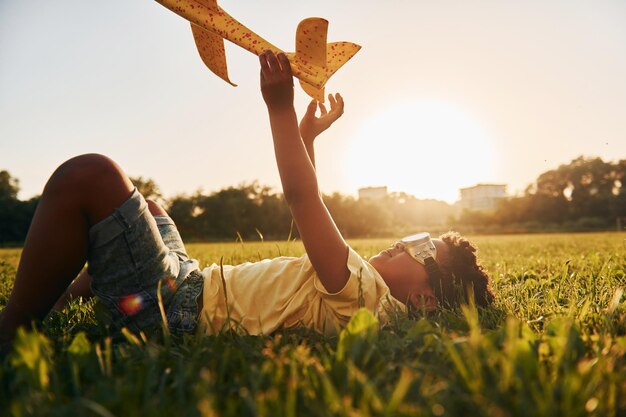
{"type": "Point", "coordinates": [553, 345]}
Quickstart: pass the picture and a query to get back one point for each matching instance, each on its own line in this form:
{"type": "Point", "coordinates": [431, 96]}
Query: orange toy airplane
{"type": "Point", "coordinates": [313, 63]}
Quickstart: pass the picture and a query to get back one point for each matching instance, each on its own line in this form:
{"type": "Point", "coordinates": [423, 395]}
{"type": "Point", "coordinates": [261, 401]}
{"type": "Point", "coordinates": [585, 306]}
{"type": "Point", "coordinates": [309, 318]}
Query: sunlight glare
{"type": "Point", "coordinates": [426, 148]}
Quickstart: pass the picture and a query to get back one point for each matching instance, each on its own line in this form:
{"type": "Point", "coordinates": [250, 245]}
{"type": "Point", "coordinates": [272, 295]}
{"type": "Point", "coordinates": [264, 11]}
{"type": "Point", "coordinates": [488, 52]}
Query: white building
{"type": "Point", "coordinates": [373, 193]}
{"type": "Point", "coordinates": [482, 196]}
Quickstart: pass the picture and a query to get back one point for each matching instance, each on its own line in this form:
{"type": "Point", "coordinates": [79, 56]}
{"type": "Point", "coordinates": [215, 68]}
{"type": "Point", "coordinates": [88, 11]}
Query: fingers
{"type": "Point", "coordinates": [285, 66]}
{"type": "Point", "coordinates": [332, 101]}
{"type": "Point", "coordinates": [276, 80]}
{"type": "Point", "coordinates": [275, 64]}
{"type": "Point", "coordinates": [336, 105]}
{"type": "Point", "coordinates": [336, 102]}
{"type": "Point", "coordinates": [265, 67]}
{"type": "Point", "coordinates": [269, 62]}
{"type": "Point", "coordinates": [322, 109]}
{"type": "Point", "coordinates": [263, 61]}
{"type": "Point", "coordinates": [339, 101]}
{"type": "Point", "coordinates": [311, 108]}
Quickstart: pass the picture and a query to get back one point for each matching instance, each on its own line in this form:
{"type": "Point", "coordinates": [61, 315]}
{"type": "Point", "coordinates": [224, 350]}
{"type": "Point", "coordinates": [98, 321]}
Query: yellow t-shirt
{"type": "Point", "coordinates": [285, 292]}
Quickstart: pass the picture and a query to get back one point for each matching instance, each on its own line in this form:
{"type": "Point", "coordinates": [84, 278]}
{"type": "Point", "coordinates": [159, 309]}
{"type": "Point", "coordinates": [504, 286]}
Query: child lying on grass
{"type": "Point", "coordinates": [90, 212]}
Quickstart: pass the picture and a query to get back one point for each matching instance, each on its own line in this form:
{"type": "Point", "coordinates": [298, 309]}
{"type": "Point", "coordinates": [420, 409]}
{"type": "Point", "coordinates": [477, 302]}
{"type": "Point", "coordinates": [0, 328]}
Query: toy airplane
{"type": "Point", "coordinates": [313, 63]}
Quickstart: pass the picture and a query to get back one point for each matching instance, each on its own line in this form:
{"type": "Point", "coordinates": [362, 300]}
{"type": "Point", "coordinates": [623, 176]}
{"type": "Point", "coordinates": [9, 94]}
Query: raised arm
{"type": "Point", "coordinates": [311, 125]}
{"type": "Point", "coordinates": [325, 246]}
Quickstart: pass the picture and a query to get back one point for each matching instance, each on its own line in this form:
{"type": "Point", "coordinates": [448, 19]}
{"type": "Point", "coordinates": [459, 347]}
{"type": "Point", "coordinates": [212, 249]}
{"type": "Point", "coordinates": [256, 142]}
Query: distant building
{"type": "Point", "coordinates": [373, 193]}
{"type": "Point", "coordinates": [482, 196]}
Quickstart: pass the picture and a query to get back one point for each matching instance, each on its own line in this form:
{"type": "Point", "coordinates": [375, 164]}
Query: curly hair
{"type": "Point", "coordinates": [462, 274]}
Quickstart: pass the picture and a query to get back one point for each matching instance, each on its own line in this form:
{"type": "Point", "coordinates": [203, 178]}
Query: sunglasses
{"type": "Point", "coordinates": [422, 248]}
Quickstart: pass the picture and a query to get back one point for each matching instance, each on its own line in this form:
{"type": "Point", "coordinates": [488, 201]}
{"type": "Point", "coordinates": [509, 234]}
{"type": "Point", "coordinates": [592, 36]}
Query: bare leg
{"type": "Point", "coordinates": [80, 193]}
{"type": "Point", "coordinates": [80, 287]}
{"type": "Point", "coordinates": [155, 209]}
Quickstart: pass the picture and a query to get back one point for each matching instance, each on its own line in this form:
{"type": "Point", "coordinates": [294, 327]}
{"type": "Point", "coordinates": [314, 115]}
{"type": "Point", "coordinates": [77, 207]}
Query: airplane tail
{"type": "Point", "coordinates": [315, 61]}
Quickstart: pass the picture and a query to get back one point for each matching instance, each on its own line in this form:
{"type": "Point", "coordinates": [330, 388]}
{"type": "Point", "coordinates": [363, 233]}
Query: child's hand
{"type": "Point", "coordinates": [276, 80]}
{"type": "Point", "coordinates": [311, 126]}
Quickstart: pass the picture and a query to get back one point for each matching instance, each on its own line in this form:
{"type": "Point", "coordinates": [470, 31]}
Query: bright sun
{"type": "Point", "coordinates": [426, 148]}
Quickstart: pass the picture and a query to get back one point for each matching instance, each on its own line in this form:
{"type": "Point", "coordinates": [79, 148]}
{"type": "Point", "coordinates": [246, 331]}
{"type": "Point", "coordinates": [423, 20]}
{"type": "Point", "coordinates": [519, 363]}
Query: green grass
{"type": "Point", "coordinates": [553, 345]}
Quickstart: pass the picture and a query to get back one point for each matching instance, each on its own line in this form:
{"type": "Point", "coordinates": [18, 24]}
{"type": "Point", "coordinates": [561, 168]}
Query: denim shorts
{"type": "Point", "coordinates": [131, 255]}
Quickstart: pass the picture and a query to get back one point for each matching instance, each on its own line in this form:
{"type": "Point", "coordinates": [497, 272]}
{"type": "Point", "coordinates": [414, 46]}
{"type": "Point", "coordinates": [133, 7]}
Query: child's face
{"type": "Point", "coordinates": [407, 278]}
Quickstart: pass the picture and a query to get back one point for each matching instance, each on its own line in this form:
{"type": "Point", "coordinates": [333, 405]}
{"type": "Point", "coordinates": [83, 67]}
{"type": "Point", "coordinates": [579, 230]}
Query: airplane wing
{"type": "Point", "coordinates": [211, 46]}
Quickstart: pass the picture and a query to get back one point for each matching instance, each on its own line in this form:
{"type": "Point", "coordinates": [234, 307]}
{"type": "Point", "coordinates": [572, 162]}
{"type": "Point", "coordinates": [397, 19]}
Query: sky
{"type": "Point", "coordinates": [442, 95]}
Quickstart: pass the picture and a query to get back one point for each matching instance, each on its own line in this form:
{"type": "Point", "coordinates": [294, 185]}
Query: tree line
{"type": "Point", "coordinates": [254, 211]}
{"type": "Point", "coordinates": [586, 194]}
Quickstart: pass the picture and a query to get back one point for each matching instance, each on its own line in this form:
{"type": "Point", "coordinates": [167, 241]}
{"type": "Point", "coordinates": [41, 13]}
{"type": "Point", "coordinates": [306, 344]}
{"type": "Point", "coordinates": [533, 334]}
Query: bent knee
{"type": "Point", "coordinates": [86, 164]}
{"type": "Point", "coordinates": [89, 171]}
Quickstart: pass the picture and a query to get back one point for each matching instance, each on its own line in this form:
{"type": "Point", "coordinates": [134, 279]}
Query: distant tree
{"type": "Point", "coordinates": [251, 211]}
{"type": "Point", "coordinates": [618, 205]}
{"type": "Point", "coordinates": [360, 218]}
{"type": "Point", "coordinates": [15, 215]}
{"type": "Point", "coordinates": [476, 218]}
{"type": "Point", "coordinates": [183, 210]}
{"type": "Point", "coordinates": [9, 186]}
{"type": "Point", "coordinates": [410, 213]}
{"type": "Point", "coordinates": [587, 184]}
